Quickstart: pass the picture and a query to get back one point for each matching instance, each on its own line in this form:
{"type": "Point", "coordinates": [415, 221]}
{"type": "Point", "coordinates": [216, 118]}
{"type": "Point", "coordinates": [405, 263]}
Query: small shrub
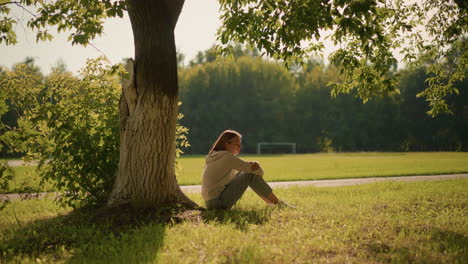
{"type": "Point", "coordinates": [6, 175]}
{"type": "Point", "coordinates": [72, 129]}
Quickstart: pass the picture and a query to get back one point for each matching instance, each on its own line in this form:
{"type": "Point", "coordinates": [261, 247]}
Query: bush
{"type": "Point", "coordinates": [72, 130]}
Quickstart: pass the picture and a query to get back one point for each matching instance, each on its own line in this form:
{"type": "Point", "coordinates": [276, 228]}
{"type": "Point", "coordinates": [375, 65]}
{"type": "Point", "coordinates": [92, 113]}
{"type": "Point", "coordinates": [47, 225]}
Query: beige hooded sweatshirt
{"type": "Point", "coordinates": [220, 168]}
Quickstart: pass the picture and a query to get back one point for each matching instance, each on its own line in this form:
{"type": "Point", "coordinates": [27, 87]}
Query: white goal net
{"type": "Point", "coordinates": [276, 147]}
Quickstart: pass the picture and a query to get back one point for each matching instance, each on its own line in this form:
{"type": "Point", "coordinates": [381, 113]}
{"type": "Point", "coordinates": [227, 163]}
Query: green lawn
{"type": "Point", "coordinates": [390, 222]}
{"type": "Point", "coordinates": [307, 167]}
{"type": "Point", "coordinates": [6, 159]}
{"type": "Point", "coordinates": [27, 180]}
{"type": "Point", "coordinates": [341, 165]}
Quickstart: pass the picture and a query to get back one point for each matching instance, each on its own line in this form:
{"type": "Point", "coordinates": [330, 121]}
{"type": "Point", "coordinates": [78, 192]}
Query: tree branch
{"type": "Point", "coordinates": [22, 25]}
{"type": "Point", "coordinates": [6, 3]}
{"type": "Point", "coordinates": [24, 8]}
{"type": "Point", "coordinates": [92, 45]}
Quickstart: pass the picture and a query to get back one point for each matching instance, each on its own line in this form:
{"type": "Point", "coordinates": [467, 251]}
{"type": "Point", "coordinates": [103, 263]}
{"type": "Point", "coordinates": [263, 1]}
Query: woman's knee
{"type": "Point", "coordinates": [255, 177]}
{"type": "Point", "coordinates": [250, 177]}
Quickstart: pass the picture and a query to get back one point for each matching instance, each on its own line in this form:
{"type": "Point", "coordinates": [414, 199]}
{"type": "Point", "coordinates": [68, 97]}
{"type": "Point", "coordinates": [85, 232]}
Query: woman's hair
{"type": "Point", "coordinates": [225, 137]}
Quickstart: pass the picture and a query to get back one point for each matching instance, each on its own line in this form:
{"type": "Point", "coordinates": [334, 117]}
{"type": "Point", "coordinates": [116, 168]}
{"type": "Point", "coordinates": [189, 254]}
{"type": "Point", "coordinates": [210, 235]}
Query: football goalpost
{"type": "Point", "coordinates": [278, 145]}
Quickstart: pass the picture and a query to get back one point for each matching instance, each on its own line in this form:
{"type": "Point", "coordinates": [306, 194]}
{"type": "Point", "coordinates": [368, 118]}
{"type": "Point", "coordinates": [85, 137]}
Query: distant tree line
{"type": "Point", "coordinates": [268, 103]}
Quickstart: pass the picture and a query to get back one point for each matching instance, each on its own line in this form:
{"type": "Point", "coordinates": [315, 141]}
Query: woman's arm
{"type": "Point", "coordinates": [240, 165]}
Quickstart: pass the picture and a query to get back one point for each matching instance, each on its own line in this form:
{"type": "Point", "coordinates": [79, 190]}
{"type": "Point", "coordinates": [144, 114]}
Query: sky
{"type": "Point", "coordinates": [195, 31]}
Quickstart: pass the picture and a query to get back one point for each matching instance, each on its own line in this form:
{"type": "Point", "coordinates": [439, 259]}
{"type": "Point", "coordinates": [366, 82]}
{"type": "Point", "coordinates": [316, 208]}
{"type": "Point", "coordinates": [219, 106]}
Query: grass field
{"type": "Point", "coordinates": [7, 159]}
{"type": "Point", "coordinates": [308, 167]}
{"type": "Point", "coordinates": [341, 165]}
{"type": "Point", "coordinates": [391, 222]}
{"type": "Point", "coordinates": [27, 180]}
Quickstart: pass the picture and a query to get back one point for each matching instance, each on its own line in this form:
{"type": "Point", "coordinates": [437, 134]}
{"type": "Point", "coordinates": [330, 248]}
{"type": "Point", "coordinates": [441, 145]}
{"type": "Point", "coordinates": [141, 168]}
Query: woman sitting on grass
{"type": "Point", "coordinates": [226, 177]}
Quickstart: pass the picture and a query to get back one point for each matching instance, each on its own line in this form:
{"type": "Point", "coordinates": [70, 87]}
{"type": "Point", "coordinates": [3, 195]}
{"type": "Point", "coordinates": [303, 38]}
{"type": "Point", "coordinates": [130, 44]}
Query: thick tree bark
{"type": "Point", "coordinates": [148, 110]}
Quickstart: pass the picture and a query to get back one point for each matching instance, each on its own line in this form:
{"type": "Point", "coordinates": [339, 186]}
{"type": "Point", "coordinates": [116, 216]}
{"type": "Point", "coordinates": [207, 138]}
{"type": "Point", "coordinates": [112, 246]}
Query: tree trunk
{"type": "Point", "coordinates": [148, 110]}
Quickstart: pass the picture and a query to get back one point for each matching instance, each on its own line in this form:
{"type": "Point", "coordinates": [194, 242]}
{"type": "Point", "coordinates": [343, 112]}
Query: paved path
{"type": "Point", "coordinates": [17, 163]}
{"type": "Point", "coordinates": [286, 184]}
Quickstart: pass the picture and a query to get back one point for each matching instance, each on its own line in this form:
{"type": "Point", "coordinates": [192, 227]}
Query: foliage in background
{"type": "Point", "coordinates": [70, 125]}
{"type": "Point", "coordinates": [368, 34]}
{"type": "Point", "coordinates": [268, 104]}
{"type": "Point", "coordinates": [430, 34]}
{"type": "Point", "coordinates": [249, 94]}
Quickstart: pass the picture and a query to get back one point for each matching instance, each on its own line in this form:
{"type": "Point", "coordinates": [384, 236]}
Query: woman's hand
{"type": "Point", "coordinates": [254, 165]}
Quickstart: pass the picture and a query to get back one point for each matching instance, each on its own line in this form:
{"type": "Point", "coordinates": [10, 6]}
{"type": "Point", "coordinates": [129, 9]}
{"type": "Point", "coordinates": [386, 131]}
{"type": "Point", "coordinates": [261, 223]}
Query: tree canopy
{"type": "Point", "coordinates": [368, 33]}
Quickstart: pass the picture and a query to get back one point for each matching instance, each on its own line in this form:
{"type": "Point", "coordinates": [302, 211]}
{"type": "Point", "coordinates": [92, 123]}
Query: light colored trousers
{"type": "Point", "coordinates": [235, 189]}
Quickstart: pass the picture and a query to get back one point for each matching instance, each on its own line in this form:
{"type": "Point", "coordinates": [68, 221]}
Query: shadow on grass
{"type": "Point", "coordinates": [240, 218]}
{"type": "Point", "coordinates": [110, 236]}
{"type": "Point", "coordinates": [106, 236]}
